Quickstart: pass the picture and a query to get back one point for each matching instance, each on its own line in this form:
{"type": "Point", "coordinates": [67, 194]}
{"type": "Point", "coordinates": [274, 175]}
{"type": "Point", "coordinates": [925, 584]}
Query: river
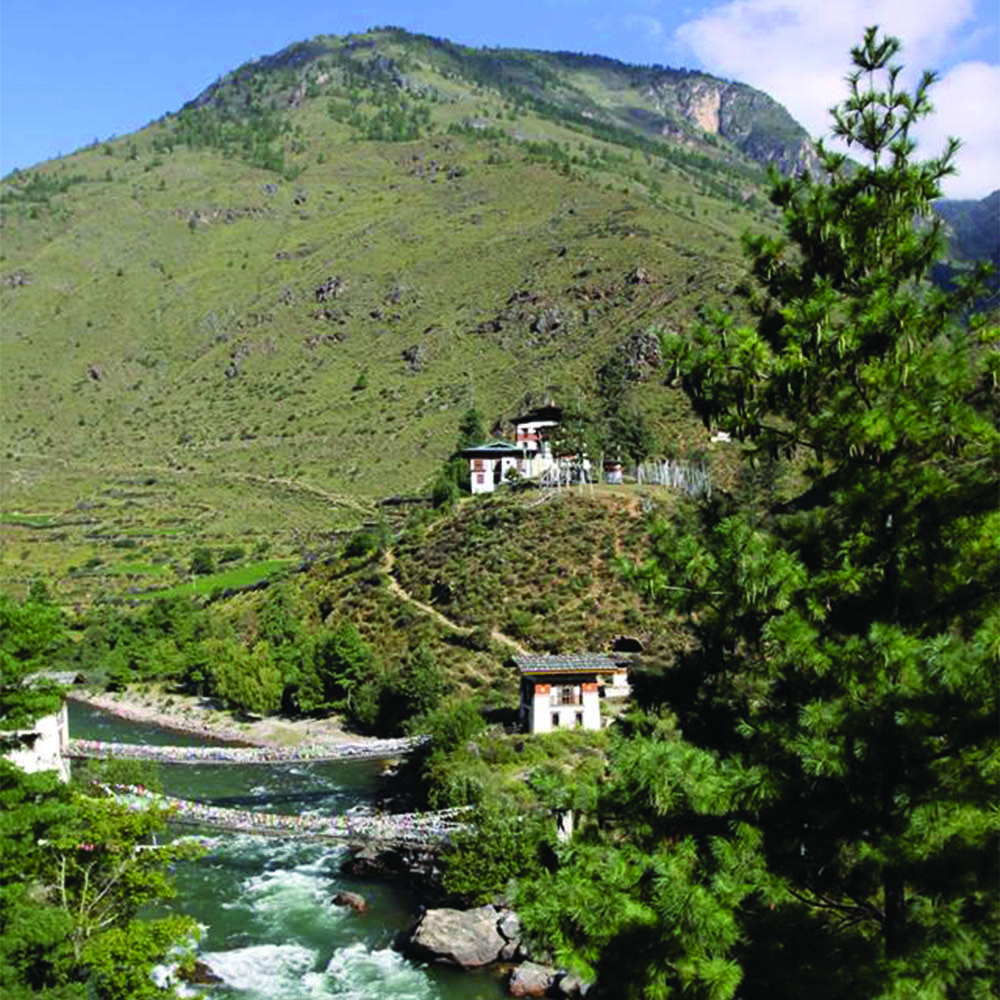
{"type": "Point", "coordinates": [269, 928]}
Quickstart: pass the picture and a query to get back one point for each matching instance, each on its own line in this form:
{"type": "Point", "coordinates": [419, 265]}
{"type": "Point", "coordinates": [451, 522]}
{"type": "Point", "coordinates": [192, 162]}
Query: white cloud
{"type": "Point", "coordinates": [649, 26]}
{"type": "Point", "coordinates": [962, 102]}
{"type": "Point", "coordinates": [797, 51]}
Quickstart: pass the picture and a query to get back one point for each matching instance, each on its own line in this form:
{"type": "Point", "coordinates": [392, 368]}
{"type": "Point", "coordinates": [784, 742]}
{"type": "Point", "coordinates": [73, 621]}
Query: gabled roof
{"type": "Point", "coordinates": [567, 663]}
{"type": "Point", "coordinates": [495, 447]}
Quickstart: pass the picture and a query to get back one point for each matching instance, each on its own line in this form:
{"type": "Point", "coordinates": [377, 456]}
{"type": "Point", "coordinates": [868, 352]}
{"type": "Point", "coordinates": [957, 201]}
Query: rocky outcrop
{"type": "Point", "coordinates": [16, 279]}
{"type": "Point", "coordinates": [756, 124]}
{"type": "Point", "coordinates": [332, 288]}
{"type": "Point", "coordinates": [469, 938]}
{"type": "Point", "coordinates": [416, 867]}
{"type": "Point", "coordinates": [415, 357]}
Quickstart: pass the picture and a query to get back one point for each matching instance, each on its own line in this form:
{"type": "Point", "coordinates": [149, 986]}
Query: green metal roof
{"type": "Point", "coordinates": [496, 447]}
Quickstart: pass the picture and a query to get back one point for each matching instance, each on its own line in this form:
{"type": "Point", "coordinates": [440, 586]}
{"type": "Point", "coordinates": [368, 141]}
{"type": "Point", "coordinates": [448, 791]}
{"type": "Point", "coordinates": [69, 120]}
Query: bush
{"type": "Point", "coordinates": [499, 846]}
{"type": "Point", "coordinates": [202, 561]}
{"type": "Point", "coordinates": [364, 543]}
{"type": "Point", "coordinates": [444, 492]}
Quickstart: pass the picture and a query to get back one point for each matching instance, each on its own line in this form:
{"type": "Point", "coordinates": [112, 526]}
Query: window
{"type": "Point", "coordinates": [579, 719]}
{"type": "Point", "coordinates": [555, 720]}
{"type": "Point", "coordinates": [480, 477]}
{"type": "Point", "coordinates": [568, 696]}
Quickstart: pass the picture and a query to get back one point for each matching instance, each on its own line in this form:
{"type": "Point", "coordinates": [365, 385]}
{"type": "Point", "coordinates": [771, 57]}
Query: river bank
{"type": "Point", "coordinates": [153, 705]}
{"type": "Point", "coordinates": [265, 904]}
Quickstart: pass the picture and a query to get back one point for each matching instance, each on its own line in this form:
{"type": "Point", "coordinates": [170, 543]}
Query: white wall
{"type": "Point", "coordinates": [485, 472]}
{"type": "Point", "coordinates": [45, 754]}
{"type": "Point", "coordinates": [547, 714]}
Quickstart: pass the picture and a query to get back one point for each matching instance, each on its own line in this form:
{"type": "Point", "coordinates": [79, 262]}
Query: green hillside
{"type": "Point", "coordinates": [261, 313]}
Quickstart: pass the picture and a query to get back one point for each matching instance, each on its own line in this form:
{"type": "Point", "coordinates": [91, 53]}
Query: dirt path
{"type": "Point", "coordinates": [396, 587]}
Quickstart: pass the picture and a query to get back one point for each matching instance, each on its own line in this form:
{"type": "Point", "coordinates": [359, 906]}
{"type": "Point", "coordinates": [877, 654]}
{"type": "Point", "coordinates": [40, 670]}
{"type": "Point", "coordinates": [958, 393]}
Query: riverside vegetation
{"type": "Point", "coordinates": [800, 797]}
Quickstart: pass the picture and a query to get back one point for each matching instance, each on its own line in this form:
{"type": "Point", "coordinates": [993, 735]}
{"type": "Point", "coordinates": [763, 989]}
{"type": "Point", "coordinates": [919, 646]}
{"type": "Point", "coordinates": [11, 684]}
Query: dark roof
{"type": "Point", "coordinates": [567, 663]}
{"type": "Point", "coordinates": [495, 447]}
{"type": "Point", "coordinates": [539, 413]}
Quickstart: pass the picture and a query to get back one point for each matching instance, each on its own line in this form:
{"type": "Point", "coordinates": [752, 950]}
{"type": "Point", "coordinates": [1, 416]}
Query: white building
{"type": "Point", "coordinates": [564, 692]}
{"type": "Point", "coordinates": [533, 433]}
{"type": "Point", "coordinates": [531, 455]}
{"type": "Point", "coordinates": [41, 747]}
{"type": "Point", "coordinates": [490, 464]}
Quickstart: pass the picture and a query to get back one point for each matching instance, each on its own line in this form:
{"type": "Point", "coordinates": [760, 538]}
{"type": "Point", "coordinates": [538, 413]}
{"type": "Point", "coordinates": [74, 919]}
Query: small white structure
{"type": "Point", "coordinates": [42, 746]}
{"type": "Point", "coordinates": [490, 464]}
{"type": "Point", "coordinates": [564, 692]}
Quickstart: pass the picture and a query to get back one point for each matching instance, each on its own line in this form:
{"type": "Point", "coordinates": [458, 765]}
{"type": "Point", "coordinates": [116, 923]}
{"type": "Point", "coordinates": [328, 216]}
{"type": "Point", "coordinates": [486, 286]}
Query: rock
{"type": "Point", "coordinates": [16, 279]}
{"type": "Point", "coordinates": [415, 866]}
{"type": "Point", "coordinates": [531, 980]}
{"type": "Point", "coordinates": [510, 951]}
{"type": "Point", "coordinates": [571, 985]}
{"type": "Point", "coordinates": [415, 357]}
{"type": "Point", "coordinates": [509, 925]}
{"type": "Point", "coordinates": [351, 899]}
{"type": "Point", "coordinates": [547, 321]}
{"type": "Point", "coordinates": [199, 974]}
{"type": "Point", "coordinates": [332, 288]}
{"type": "Point", "coordinates": [458, 937]}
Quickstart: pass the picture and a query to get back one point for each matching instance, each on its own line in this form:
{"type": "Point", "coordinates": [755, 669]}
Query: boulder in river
{"type": "Point", "coordinates": [529, 979]}
{"type": "Point", "coordinates": [353, 900]}
{"type": "Point", "coordinates": [468, 938]}
{"type": "Point", "coordinates": [199, 974]}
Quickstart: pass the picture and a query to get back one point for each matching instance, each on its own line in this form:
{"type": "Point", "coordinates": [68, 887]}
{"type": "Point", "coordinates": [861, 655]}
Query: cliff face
{"type": "Point", "coordinates": [754, 123]}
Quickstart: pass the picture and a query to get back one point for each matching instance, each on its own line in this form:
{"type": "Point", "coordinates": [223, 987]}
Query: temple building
{"type": "Point", "coordinates": [564, 692]}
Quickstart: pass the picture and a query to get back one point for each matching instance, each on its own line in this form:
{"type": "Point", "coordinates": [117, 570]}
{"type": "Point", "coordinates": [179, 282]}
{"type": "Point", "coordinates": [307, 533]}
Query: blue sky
{"type": "Point", "coordinates": [75, 70]}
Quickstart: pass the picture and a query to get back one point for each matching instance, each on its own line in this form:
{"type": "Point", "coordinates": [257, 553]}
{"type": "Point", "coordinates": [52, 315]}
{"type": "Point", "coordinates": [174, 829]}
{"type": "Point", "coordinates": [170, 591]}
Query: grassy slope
{"type": "Point", "coordinates": [545, 573]}
{"type": "Point", "coordinates": [143, 289]}
{"type": "Point", "coordinates": [543, 570]}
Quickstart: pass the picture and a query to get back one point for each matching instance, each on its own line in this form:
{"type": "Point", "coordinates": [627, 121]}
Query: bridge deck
{"type": "Point", "coordinates": [412, 829]}
{"type": "Point", "coordinates": [314, 752]}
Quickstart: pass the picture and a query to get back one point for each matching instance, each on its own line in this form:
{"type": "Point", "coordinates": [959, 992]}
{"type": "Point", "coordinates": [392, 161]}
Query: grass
{"type": "Point", "coordinates": [29, 520]}
{"type": "Point", "coordinates": [178, 383]}
{"type": "Point", "coordinates": [230, 579]}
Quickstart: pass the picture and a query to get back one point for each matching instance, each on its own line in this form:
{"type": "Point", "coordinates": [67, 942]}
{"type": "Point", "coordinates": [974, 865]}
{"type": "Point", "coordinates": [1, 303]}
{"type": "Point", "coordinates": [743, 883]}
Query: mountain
{"type": "Point", "coordinates": [265, 310]}
{"type": "Point", "coordinates": [973, 232]}
{"type": "Point", "coordinates": [973, 227]}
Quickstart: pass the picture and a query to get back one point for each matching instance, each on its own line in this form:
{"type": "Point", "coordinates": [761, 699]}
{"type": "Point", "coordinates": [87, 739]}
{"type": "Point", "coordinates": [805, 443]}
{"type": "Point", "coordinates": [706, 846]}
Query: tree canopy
{"type": "Point", "coordinates": [808, 803]}
{"type": "Point", "coordinates": [74, 873]}
{"type": "Point", "coordinates": [29, 631]}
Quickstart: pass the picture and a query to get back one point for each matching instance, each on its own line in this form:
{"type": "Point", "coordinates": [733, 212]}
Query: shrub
{"type": "Point", "coordinates": [202, 561]}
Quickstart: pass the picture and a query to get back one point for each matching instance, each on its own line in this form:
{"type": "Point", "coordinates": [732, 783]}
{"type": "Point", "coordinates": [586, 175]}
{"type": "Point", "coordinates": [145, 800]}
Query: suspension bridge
{"type": "Point", "coordinates": [417, 829]}
{"type": "Point", "coordinates": [309, 753]}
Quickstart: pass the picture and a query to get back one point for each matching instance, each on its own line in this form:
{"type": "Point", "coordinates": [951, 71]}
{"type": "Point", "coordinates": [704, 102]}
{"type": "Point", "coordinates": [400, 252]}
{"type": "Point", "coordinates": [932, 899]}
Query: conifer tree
{"type": "Point", "coordinates": [814, 812]}
{"type": "Point", "coordinates": [846, 639]}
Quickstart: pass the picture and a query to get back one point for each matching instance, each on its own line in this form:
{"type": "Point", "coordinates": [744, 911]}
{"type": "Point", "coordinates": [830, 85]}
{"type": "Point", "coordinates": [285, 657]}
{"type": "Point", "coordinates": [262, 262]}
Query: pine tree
{"type": "Point", "coordinates": [814, 812]}
{"type": "Point", "coordinates": [846, 639]}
